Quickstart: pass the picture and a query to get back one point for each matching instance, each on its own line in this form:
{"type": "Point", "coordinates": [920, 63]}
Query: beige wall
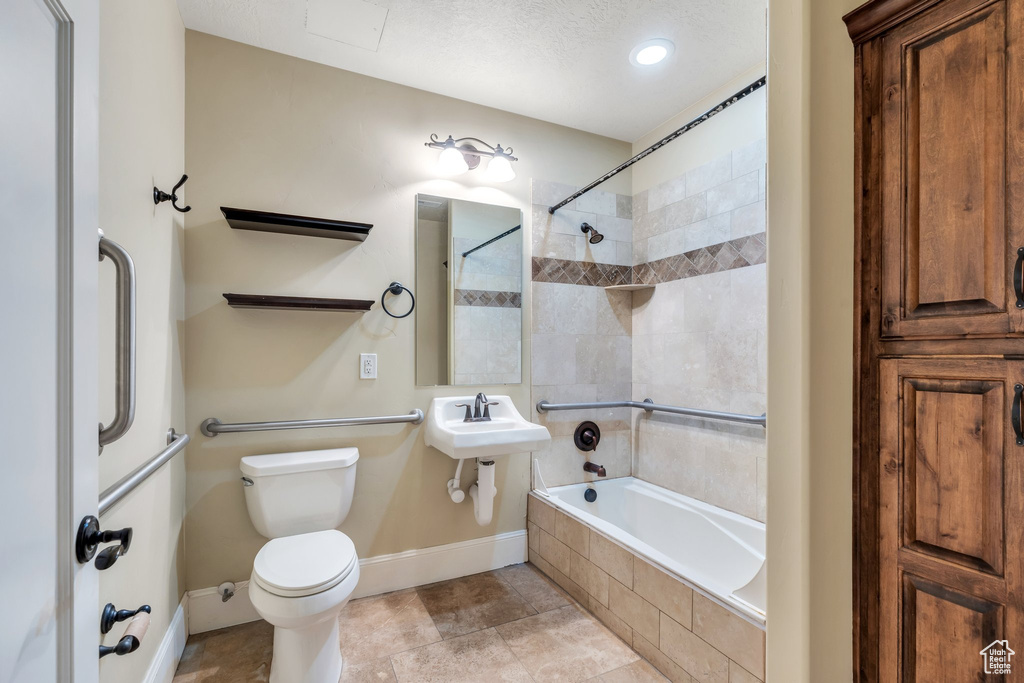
{"type": "Point", "coordinates": [142, 142]}
{"type": "Point", "coordinates": [810, 332]}
{"type": "Point", "coordinates": [274, 132]}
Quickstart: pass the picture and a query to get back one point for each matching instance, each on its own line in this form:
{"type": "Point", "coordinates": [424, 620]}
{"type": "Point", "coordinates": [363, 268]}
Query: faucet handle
{"type": "Point", "coordinates": [487, 409]}
{"type": "Point", "coordinates": [469, 411]}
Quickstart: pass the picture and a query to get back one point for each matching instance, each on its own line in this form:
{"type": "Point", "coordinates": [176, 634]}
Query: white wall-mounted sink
{"type": "Point", "coordinates": [506, 433]}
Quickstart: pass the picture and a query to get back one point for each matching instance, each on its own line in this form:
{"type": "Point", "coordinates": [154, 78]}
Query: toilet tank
{"type": "Point", "coordinates": [297, 493]}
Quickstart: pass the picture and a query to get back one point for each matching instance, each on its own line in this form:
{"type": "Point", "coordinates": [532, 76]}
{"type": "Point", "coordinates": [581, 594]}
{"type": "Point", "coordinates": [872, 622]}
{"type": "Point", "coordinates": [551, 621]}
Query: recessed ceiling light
{"type": "Point", "coordinates": [651, 52]}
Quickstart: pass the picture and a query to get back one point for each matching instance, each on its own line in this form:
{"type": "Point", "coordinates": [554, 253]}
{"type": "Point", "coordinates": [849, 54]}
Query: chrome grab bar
{"type": "Point", "coordinates": [212, 426]}
{"type": "Point", "coordinates": [175, 443]}
{"type": "Point", "coordinates": [124, 379]}
{"type": "Point", "coordinates": [652, 407]}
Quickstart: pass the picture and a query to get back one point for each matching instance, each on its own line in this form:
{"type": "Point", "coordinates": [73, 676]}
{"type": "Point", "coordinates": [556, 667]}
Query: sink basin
{"type": "Point", "coordinates": [506, 433]}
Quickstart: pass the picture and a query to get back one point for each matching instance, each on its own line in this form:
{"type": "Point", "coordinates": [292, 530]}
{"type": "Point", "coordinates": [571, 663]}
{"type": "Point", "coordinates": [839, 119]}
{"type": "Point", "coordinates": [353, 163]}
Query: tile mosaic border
{"type": "Point", "coordinates": [715, 258]}
{"type": "Point", "coordinates": [488, 298]}
{"type": "Point", "coordinates": [580, 272]}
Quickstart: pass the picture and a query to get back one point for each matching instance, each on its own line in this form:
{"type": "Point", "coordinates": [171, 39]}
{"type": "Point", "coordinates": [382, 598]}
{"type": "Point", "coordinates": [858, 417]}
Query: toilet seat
{"type": "Point", "coordinates": [304, 564]}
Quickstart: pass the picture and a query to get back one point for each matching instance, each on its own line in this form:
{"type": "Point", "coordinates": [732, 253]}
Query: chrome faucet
{"type": "Point", "coordinates": [481, 409]}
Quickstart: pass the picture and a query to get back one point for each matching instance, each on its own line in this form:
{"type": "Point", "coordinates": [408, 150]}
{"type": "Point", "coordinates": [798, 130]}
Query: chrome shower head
{"type": "Point", "coordinates": [595, 236]}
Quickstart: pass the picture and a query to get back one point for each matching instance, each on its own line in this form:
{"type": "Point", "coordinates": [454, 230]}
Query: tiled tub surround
{"type": "Point", "coordinates": [581, 333]}
{"type": "Point", "coordinates": [685, 634]}
{"type": "Point", "coordinates": [488, 320]}
{"type": "Point", "coordinates": [700, 340]}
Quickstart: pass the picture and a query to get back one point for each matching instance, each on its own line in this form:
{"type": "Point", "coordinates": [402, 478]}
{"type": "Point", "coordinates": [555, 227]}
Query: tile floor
{"type": "Point", "coordinates": [512, 624]}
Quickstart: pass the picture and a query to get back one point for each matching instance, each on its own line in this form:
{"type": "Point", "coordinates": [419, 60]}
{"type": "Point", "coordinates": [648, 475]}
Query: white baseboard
{"type": "Point", "coordinates": [208, 612]}
{"type": "Point", "coordinates": [386, 573]}
{"type": "Point", "coordinates": [165, 662]}
{"type": "Point", "coordinates": [381, 574]}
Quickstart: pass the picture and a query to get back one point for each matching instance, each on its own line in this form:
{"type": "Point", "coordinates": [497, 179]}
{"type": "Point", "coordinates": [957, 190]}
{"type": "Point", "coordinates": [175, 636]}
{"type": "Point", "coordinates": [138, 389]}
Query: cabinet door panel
{"type": "Point", "coordinates": [953, 469]}
{"type": "Point", "coordinates": [948, 243]}
{"type": "Point", "coordinates": [951, 510]}
{"type": "Point", "coordinates": [941, 623]}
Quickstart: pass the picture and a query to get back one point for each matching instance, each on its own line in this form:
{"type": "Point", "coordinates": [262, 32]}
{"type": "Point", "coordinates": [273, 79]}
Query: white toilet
{"type": "Point", "coordinates": [304, 576]}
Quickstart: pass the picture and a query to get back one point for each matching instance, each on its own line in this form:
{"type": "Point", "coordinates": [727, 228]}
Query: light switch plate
{"type": "Point", "coordinates": [367, 366]}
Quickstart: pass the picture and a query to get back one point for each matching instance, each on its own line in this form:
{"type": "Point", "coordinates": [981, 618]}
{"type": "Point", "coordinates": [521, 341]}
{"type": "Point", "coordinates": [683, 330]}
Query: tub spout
{"type": "Point", "coordinates": [595, 468]}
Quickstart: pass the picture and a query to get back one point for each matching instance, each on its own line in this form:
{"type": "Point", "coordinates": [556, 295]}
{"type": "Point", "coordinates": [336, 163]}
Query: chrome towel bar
{"type": "Point", "coordinates": [652, 407]}
{"type": "Point", "coordinates": [175, 443]}
{"type": "Point", "coordinates": [212, 426]}
{"type": "Point", "coordinates": [124, 378]}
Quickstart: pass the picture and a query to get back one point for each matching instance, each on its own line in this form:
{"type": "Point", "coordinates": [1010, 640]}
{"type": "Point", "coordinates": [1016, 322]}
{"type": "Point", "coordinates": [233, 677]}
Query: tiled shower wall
{"type": "Point", "coordinates": [699, 337]}
{"type": "Point", "coordinates": [488, 312]}
{"type": "Point", "coordinates": [581, 332]}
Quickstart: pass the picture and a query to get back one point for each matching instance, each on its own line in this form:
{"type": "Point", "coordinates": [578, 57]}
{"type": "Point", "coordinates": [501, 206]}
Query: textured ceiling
{"type": "Point", "coordinates": [564, 61]}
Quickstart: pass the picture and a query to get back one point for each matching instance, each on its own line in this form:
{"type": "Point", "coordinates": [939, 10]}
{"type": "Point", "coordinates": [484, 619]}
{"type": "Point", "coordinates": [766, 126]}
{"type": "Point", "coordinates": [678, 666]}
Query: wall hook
{"type": "Point", "coordinates": [161, 196]}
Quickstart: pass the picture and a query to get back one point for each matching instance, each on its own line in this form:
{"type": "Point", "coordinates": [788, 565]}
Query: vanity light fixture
{"type": "Point", "coordinates": [651, 52]}
{"type": "Point", "coordinates": [459, 156]}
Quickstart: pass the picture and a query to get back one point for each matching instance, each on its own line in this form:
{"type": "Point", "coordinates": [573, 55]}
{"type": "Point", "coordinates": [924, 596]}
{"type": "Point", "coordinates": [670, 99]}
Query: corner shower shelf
{"type": "Point", "coordinates": [628, 288]}
{"type": "Point", "coordinates": [296, 303]}
{"type": "Point", "coordinates": [265, 221]}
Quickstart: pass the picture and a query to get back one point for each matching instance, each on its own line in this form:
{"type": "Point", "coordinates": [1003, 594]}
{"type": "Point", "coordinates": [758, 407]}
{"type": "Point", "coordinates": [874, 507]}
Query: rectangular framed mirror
{"type": "Point", "coordinates": [469, 292]}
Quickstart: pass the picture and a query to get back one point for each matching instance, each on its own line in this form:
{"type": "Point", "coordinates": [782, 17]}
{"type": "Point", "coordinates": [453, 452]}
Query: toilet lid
{"type": "Point", "coordinates": [293, 566]}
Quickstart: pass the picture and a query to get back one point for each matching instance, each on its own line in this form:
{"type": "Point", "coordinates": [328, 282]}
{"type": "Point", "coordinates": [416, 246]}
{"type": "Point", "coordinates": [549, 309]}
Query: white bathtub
{"type": "Point", "coordinates": [718, 552]}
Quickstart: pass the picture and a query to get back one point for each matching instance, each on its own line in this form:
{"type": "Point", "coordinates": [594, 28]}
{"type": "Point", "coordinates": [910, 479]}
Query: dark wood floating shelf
{"type": "Point", "coordinates": [265, 221]}
{"type": "Point", "coordinates": [296, 303]}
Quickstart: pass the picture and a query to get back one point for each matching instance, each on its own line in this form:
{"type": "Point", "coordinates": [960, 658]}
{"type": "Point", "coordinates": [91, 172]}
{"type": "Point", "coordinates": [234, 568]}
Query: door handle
{"type": "Point", "coordinates": [1018, 390]}
{"type": "Point", "coordinates": [90, 536]}
{"type": "Point", "coordinates": [1018, 278]}
{"type": "Point", "coordinates": [124, 379]}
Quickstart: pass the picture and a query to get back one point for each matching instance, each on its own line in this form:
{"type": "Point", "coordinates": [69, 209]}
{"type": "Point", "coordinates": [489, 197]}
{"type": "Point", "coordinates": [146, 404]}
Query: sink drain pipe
{"type": "Point", "coordinates": [483, 492]}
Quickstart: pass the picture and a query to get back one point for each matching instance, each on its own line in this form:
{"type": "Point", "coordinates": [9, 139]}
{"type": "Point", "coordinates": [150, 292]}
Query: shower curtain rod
{"type": "Point", "coordinates": [492, 240]}
{"type": "Point", "coordinates": [753, 87]}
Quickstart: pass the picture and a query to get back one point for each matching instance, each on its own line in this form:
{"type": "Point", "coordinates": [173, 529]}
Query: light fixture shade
{"type": "Point", "coordinates": [451, 162]}
{"type": "Point", "coordinates": [499, 170]}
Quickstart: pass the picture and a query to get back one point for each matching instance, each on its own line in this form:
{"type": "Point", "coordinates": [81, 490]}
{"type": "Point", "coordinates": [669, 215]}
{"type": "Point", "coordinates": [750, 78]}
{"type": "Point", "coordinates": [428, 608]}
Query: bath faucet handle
{"type": "Point", "coordinates": [469, 411]}
{"type": "Point", "coordinates": [487, 409]}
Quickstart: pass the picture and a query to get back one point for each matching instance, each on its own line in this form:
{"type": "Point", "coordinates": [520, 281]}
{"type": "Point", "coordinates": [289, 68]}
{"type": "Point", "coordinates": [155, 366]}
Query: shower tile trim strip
{"type": "Point", "coordinates": [488, 298]}
{"type": "Point", "coordinates": [715, 258]}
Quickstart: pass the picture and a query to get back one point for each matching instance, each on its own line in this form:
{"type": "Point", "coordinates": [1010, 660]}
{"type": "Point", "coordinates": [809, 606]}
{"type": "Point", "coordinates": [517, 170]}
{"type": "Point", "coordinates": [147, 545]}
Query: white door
{"type": "Point", "coordinates": [48, 269]}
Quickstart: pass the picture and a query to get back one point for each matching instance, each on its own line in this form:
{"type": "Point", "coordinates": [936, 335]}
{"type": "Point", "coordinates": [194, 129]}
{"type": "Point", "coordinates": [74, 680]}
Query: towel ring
{"type": "Point", "coordinates": [396, 288]}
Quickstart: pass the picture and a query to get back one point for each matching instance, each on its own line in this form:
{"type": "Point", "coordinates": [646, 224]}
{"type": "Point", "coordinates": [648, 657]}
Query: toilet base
{"type": "Point", "coordinates": [307, 655]}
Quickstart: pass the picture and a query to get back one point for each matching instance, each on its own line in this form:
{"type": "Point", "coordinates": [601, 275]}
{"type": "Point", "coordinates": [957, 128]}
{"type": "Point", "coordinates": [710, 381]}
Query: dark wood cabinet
{"type": "Point", "coordinates": [949, 471]}
{"type": "Point", "coordinates": [939, 338]}
{"type": "Point", "coordinates": [949, 237]}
